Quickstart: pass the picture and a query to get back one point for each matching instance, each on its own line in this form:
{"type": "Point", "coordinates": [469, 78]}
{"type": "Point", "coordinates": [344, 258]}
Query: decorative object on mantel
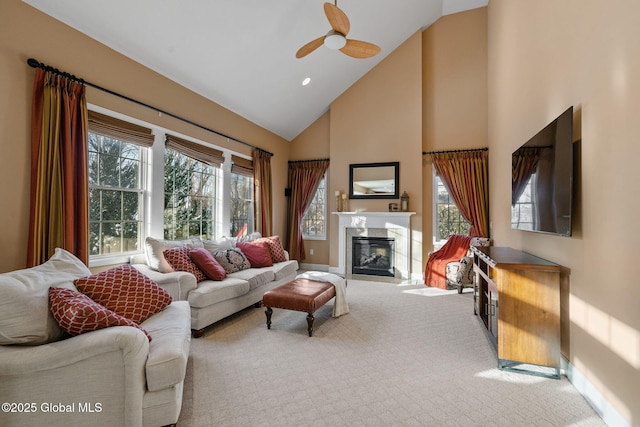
{"type": "Point", "coordinates": [338, 201]}
{"type": "Point", "coordinates": [404, 202]}
{"type": "Point", "coordinates": [393, 207]}
{"type": "Point", "coordinates": [345, 203]}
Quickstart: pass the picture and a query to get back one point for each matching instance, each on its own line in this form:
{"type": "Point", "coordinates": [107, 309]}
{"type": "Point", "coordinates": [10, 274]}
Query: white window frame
{"type": "Point", "coordinates": [323, 236]}
{"type": "Point", "coordinates": [121, 257]}
{"type": "Point", "coordinates": [153, 193]}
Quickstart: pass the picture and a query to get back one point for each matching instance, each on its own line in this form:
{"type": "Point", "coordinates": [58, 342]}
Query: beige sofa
{"type": "Point", "coordinates": [212, 300]}
{"type": "Point", "coordinates": [109, 377]}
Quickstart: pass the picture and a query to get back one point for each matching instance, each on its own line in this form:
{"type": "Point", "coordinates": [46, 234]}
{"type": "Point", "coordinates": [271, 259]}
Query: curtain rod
{"type": "Point", "coordinates": [34, 63]}
{"type": "Point", "coordinates": [307, 161]}
{"type": "Point", "coordinates": [455, 151]}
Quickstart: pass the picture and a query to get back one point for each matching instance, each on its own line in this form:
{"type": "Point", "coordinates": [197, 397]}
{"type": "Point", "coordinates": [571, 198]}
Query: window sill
{"type": "Point", "coordinates": [314, 237]}
{"type": "Point", "coordinates": [103, 260]}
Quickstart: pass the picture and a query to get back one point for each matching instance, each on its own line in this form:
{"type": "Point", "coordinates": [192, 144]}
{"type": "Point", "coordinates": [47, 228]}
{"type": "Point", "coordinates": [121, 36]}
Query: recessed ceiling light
{"type": "Point", "coordinates": [306, 81]}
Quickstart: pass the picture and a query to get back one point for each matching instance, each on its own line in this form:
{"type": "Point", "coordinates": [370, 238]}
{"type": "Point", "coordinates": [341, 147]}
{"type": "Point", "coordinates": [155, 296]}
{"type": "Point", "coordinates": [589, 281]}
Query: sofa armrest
{"type": "Point", "coordinates": [74, 371]}
{"type": "Point", "coordinates": [177, 283]}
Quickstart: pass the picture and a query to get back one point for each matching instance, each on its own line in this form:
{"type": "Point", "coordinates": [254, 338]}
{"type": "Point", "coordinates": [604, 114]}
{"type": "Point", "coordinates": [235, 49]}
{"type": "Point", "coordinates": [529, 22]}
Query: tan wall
{"type": "Point", "coordinates": [313, 143]}
{"type": "Point", "coordinates": [379, 119]}
{"type": "Point", "coordinates": [453, 113]}
{"type": "Point", "coordinates": [454, 94]}
{"type": "Point", "coordinates": [26, 32]}
{"type": "Point", "coordinates": [544, 56]}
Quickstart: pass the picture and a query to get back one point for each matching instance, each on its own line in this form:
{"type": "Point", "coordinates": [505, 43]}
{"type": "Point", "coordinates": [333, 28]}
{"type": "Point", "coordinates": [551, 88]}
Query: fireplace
{"type": "Point", "coordinates": [373, 256]}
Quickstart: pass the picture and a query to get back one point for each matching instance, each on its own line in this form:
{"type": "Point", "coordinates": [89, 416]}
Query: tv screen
{"type": "Point", "coordinates": [542, 179]}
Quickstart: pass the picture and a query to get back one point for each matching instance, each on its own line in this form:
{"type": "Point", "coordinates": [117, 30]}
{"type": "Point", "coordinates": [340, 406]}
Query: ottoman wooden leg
{"type": "Point", "coordinates": [268, 312]}
{"type": "Point", "coordinates": [310, 319]}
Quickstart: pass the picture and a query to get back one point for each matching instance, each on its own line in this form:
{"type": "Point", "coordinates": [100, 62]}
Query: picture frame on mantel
{"type": "Point", "coordinates": [374, 180]}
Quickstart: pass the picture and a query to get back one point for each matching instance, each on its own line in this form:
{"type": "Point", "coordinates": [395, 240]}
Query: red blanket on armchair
{"type": "Point", "coordinates": [455, 248]}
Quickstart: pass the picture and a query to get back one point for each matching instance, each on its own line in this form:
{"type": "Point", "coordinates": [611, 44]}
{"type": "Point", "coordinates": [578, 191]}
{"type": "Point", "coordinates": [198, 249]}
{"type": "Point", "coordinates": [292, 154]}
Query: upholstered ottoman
{"type": "Point", "coordinates": [299, 295]}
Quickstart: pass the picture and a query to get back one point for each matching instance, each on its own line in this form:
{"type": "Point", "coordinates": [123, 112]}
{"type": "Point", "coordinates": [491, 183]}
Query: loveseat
{"type": "Point", "coordinates": [115, 376]}
{"type": "Point", "coordinates": [241, 285]}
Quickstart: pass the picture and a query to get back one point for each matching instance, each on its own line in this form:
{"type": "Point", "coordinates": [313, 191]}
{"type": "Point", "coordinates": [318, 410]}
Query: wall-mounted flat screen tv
{"type": "Point", "coordinates": [542, 179]}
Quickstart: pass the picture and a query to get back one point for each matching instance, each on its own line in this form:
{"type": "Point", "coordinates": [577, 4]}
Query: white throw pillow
{"type": "Point", "coordinates": [154, 248]}
{"type": "Point", "coordinates": [24, 299]}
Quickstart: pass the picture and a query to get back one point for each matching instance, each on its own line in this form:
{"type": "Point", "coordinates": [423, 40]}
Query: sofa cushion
{"type": "Point", "coordinates": [126, 291]}
{"type": "Point", "coordinates": [275, 247]}
{"type": "Point", "coordinates": [257, 253]}
{"type": "Point", "coordinates": [211, 292]}
{"type": "Point", "coordinates": [221, 244]}
{"type": "Point", "coordinates": [255, 276]}
{"type": "Point", "coordinates": [284, 269]}
{"type": "Point", "coordinates": [76, 313]}
{"type": "Point", "coordinates": [169, 350]}
{"type": "Point", "coordinates": [154, 249]}
{"type": "Point", "coordinates": [24, 299]}
{"type": "Point", "coordinates": [180, 260]}
{"type": "Point", "coordinates": [232, 260]}
{"type": "Point", "coordinates": [207, 264]}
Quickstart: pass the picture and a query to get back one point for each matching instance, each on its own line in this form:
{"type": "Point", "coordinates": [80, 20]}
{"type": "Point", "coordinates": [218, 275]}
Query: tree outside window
{"type": "Point", "coordinates": [242, 210]}
{"type": "Point", "coordinates": [189, 197]}
{"type": "Point", "coordinates": [448, 218]}
{"type": "Point", "coordinates": [115, 196]}
{"type": "Point", "coordinates": [314, 220]}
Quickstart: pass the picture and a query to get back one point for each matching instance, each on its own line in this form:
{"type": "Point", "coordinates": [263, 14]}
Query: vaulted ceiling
{"type": "Point", "coordinates": [241, 54]}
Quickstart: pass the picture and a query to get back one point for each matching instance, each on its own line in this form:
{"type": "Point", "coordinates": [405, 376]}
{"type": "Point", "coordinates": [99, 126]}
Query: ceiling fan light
{"type": "Point", "coordinates": [335, 40]}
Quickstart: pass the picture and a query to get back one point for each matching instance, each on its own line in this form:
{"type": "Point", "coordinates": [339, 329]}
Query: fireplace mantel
{"type": "Point", "coordinates": [364, 220]}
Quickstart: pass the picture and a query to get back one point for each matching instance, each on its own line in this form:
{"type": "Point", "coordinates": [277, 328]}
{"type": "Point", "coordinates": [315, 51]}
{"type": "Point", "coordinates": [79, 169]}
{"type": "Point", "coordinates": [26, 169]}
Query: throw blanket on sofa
{"type": "Point", "coordinates": [455, 248]}
{"type": "Point", "coordinates": [340, 305]}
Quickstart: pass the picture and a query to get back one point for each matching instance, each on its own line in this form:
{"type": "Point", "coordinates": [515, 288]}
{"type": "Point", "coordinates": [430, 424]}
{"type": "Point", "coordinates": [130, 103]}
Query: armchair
{"type": "Point", "coordinates": [460, 273]}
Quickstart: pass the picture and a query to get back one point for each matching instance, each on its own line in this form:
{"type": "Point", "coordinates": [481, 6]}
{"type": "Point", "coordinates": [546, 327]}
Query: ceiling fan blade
{"type": "Point", "coordinates": [359, 49]}
{"type": "Point", "coordinates": [337, 18]}
{"type": "Point", "coordinates": [309, 47]}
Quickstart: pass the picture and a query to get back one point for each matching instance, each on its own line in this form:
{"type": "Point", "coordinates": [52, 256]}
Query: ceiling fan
{"type": "Point", "coordinates": [336, 38]}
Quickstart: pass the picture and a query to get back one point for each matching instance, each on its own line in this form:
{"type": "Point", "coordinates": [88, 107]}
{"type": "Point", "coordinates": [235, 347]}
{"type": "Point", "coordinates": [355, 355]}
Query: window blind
{"type": "Point", "coordinates": [119, 129]}
{"type": "Point", "coordinates": [205, 154]}
{"type": "Point", "coordinates": [241, 166]}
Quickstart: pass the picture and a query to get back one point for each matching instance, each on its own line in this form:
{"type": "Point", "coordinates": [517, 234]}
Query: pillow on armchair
{"type": "Point", "coordinates": [460, 273]}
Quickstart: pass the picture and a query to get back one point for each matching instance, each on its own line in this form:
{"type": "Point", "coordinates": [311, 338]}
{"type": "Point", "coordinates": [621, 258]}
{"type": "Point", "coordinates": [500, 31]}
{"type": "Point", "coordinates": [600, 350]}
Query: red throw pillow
{"type": "Point", "coordinates": [126, 291]}
{"type": "Point", "coordinates": [180, 260]}
{"type": "Point", "coordinates": [207, 263]}
{"type": "Point", "coordinates": [275, 248]}
{"type": "Point", "coordinates": [76, 313]}
{"type": "Point", "coordinates": [257, 252]}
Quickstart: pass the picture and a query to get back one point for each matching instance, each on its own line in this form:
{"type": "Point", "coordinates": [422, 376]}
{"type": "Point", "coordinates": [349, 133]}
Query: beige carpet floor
{"type": "Point", "coordinates": [405, 355]}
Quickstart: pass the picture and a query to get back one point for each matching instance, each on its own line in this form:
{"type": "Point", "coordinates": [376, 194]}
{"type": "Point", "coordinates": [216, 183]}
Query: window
{"type": "Point", "coordinates": [314, 219]}
{"type": "Point", "coordinates": [447, 216]}
{"type": "Point", "coordinates": [116, 170]}
{"type": "Point", "coordinates": [242, 213]}
{"type": "Point", "coordinates": [241, 200]}
{"type": "Point", "coordinates": [522, 214]}
{"type": "Point", "coordinates": [147, 181]}
{"type": "Point", "coordinates": [189, 197]}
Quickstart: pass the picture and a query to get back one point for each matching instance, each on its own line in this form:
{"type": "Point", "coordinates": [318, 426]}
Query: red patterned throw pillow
{"type": "Point", "coordinates": [180, 260]}
{"type": "Point", "coordinates": [126, 291]}
{"type": "Point", "coordinates": [275, 248]}
{"type": "Point", "coordinates": [257, 253]}
{"type": "Point", "coordinates": [207, 263]}
{"type": "Point", "coordinates": [76, 313]}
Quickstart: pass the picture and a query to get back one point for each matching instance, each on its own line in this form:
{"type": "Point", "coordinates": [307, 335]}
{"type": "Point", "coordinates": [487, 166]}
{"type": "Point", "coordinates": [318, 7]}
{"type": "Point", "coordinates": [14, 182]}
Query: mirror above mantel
{"type": "Point", "coordinates": [374, 180]}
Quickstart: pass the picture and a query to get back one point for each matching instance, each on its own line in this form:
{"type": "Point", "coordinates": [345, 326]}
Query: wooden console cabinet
{"type": "Point", "coordinates": [517, 298]}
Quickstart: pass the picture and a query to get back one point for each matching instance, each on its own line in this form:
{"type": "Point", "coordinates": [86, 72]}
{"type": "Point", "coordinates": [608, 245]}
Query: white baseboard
{"type": "Point", "coordinates": [314, 267]}
{"type": "Point", "coordinates": [607, 412]}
